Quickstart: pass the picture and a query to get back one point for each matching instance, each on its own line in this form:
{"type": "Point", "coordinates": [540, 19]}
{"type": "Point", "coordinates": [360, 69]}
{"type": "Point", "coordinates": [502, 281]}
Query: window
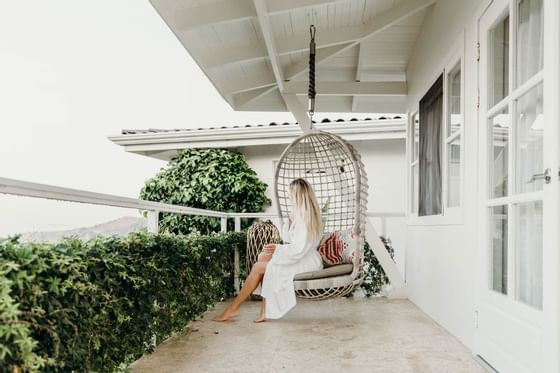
{"type": "Point", "coordinates": [436, 147]}
{"type": "Point", "coordinates": [431, 117]}
{"type": "Point", "coordinates": [453, 137]}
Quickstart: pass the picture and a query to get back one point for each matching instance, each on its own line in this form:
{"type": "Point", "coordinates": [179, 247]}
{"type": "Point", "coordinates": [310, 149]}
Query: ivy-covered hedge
{"type": "Point", "coordinates": [94, 306]}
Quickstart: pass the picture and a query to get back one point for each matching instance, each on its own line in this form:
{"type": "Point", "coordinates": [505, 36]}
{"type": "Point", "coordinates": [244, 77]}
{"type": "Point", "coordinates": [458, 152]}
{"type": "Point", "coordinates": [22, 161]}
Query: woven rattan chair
{"type": "Point", "coordinates": [335, 170]}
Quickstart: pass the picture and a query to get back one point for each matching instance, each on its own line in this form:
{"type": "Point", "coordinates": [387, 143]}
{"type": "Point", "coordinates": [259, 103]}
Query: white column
{"type": "Point", "coordinates": [153, 222]}
{"type": "Point", "coordinates": [223, 227]}
{"type": "Point", "coordinates": [236, 265]}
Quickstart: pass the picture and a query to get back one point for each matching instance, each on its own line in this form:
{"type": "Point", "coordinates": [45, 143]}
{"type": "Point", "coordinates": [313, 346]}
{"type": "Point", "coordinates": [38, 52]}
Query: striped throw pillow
{"type": "Point", "coordinates": [331, 248]}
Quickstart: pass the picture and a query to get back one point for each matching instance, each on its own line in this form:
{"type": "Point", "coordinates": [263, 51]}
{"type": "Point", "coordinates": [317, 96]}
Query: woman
{"type": "Point", "coordinates": [278, 264]}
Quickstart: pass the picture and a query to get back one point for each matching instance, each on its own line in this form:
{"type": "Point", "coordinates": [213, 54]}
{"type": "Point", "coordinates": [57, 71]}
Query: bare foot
{"type": "Point", "coordinates": [227, 314]}
{"type": "Point", "coordinates": [260, 319]}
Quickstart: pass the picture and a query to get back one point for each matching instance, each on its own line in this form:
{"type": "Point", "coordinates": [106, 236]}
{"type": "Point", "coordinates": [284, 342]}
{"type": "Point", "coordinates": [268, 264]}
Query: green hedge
{"type": "Point", "coordinates": [95, 306]}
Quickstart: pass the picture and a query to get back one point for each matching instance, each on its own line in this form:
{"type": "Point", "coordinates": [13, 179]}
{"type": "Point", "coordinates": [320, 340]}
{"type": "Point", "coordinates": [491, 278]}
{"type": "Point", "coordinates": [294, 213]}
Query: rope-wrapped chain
{"type": "Point", "coordinates": [311, 91]}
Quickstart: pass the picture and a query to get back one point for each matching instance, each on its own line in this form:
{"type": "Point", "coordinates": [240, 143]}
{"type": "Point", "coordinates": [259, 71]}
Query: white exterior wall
{"type": "Point", "coordinates": [441, 255]}
{"type": "Point", "coordinates": [386, 169]}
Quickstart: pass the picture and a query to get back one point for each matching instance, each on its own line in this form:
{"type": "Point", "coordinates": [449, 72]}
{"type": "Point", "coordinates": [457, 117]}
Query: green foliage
{"type": "Point", "coordinates": [213, 179]}
{"type": "Point", "coordinates": [94, 306]}
{"type": "Point", "coordinates": [375, 277]}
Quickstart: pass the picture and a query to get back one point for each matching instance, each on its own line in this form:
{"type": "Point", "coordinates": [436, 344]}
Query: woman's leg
{"type": "Point", "coordinates": [262, 317]}
{"type": "Point", "coordinates": [251, 283]}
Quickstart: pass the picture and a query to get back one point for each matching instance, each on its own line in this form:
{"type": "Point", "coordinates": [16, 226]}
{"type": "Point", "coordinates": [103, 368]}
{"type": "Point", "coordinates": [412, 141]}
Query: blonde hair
{"type": "Point", "coordinates": [305, 207]}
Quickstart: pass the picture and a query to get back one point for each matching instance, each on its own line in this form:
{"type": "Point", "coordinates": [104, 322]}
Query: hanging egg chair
{"type": "Point", "coordinates": [334, 169]}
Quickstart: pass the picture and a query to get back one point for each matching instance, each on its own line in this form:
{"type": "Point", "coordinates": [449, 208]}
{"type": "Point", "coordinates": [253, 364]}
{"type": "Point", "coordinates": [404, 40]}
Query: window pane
{"type": "Point", "coordinates": [529, 254]}
{"type": "Point", "coordinates": [529, 39]}
{"type": "Point", "coordinates": [529, 149]}
{"type": "Point", "coordinates": [414, 189]}
{"type": "Point", "coordinates": [498, 74]}
{"type": "Point", "coordinates": [499, 138]}
{"type": "Point", "coordinates": [499, 236]}
{"type": "Point", "coordinates": [416, 135]}
{"type": "Point", "coordinates": [454, 172]}
{"type": "Point", "coordinates": [454, 100]}
{"type": "Point", "coordinates": [431, 117]}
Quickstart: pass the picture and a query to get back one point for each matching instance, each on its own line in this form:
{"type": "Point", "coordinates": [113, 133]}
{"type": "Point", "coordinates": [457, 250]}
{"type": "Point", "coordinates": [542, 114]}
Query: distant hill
{"type": "Point", "coordinates": [119, 227]}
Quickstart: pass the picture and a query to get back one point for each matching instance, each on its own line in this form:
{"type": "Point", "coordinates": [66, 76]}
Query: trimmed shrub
{"type": "Point", "coordinates": [213, 179]}
{"type": "Point", "coordinates": [94, 306]}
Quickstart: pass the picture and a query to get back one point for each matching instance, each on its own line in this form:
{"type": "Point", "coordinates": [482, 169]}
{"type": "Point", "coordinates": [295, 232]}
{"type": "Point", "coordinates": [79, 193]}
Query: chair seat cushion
{"type": "Point", "coordinates": [336, 270]}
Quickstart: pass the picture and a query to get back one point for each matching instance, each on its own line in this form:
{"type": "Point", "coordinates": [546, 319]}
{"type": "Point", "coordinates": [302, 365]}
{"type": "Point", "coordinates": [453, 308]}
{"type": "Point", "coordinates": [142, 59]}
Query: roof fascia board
{"type": "Point", "coordinates": [233, 137]}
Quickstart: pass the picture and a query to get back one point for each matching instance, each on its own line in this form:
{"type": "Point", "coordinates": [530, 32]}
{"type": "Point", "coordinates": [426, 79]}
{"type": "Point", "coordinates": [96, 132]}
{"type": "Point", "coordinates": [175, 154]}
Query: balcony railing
{"type": "Point", "coordinates": [28, 189]}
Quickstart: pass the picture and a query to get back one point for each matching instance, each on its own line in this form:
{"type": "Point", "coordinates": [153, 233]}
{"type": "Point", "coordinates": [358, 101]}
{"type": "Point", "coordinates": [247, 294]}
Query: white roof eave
{"type": "Point", "coordinates": [255, 136]}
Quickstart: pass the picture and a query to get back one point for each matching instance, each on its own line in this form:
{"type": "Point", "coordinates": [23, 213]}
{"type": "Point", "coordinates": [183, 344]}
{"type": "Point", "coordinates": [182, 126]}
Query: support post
{"type": "Point", "coordinates": [153, 221]}
{"type": "Point", "coordinates": [223, 227]}
{"type": "Point", "coordinates": [388, 265]}
{"type": "Point", "coordinates": [236, 265]}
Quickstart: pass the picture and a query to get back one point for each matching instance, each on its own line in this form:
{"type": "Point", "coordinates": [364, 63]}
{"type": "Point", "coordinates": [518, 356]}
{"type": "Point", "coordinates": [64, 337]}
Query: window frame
{"type": "Point", "coordinates": [449, 215]}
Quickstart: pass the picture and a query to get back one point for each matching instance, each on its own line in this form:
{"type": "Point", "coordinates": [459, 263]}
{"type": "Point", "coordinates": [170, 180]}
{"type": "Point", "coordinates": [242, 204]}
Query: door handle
{"type": "Point", "coordinates": [544, 176]}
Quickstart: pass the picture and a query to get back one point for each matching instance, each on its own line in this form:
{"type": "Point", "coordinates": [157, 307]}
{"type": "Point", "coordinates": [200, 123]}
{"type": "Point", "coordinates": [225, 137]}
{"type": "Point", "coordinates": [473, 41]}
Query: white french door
{"type": "Point", "coordinates": [515, 174]}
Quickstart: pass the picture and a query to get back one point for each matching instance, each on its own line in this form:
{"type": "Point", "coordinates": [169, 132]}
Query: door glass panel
{"type": "Point", "coordinates": [454, 100]}
{"type": "Point", "coordinates": [454, 172]}
{"type": "Point", "coordinates": [529, 39]}
{"type": "Point", "coordinates": [498, 54]}
{"type": "Point", "coordinates": [499, 138]}
{"type": "Point", "coordinates": [529, 253]}
{"type": "Point", "coordinates": [529, 149]}
{"type": "Point", "coordinates": [499, 245]}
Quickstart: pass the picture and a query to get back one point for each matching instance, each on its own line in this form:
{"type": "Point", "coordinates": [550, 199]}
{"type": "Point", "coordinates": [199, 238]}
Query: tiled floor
{"type": "Point", "coordinates": [338, 335]}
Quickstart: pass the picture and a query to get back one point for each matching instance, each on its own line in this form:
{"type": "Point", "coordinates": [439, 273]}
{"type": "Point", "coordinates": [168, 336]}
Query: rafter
{"type": "Point", "coordinates": [239, 100]}
{"type": "Point", "coordinates": [358, 73]}
{"type": "Point", "coordinates": [277, 7]}
{"type": "Point", "coordinates": [215, 13]}
{"type": "Point", "coordinates": [221, 57]}
{"type": "Point", "coordinates": [244, 83]}
{"type": "Point", "coordinates": [348, 88]}
{"type": "Point", "coordinates": [292, 103]}
{"type": "Point", "coordinates": [373, 27]}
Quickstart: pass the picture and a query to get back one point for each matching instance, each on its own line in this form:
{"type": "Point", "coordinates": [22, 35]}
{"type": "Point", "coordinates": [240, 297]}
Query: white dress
{"type": "Point", "coordinates": [297, 256]}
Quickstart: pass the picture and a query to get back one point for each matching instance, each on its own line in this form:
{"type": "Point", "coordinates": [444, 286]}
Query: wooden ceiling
{"type": "Point", "coordinates": [255, 52]}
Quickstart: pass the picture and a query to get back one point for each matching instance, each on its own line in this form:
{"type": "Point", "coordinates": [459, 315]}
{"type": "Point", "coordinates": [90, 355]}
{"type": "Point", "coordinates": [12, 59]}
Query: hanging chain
{"type": "Point", "coordinates": [311, 91]}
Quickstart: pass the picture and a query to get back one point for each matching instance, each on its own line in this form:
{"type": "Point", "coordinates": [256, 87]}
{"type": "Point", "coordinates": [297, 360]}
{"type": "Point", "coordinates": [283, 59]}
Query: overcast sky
{"type": "Point", "coordinates": [73, 72]}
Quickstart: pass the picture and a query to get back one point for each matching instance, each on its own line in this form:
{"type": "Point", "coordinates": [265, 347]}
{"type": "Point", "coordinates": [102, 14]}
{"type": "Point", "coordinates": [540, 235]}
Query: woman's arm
{"type": "Point", "coordinates": [293, 252]}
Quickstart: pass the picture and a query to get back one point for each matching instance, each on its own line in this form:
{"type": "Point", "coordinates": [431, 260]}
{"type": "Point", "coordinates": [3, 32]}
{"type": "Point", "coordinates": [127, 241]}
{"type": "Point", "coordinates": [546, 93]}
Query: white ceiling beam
{"type": "Point", "coordinates": [215, 13]}
{"type": "Point", "coordinates": [278, 7]}
{"type": "Point", "coordinates": [247, 83]}
{"type": "Point", "coordinates": [292, 103]}
{"type": "Point", "coordinates": [239, 100]}
{"type": "Point", "coordinates": [227, 56]}
{"type": "Point", "coordinates": [348, 88]}
{"type": "Point", "coordinates": [322, 55]}
{"type": "Point", "coordinates": [324, 38]}
{"type": "Point", "coordinates": [358, 73]}
{"type": "Point", "coordinates": [298, 110]}
{"type": "Point", "coordinates": [375, 26]}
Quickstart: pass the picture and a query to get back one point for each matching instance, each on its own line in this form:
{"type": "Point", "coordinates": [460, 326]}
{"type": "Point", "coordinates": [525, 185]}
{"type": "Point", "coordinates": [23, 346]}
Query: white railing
{"type": "Point", "coordinates": [28, 189]}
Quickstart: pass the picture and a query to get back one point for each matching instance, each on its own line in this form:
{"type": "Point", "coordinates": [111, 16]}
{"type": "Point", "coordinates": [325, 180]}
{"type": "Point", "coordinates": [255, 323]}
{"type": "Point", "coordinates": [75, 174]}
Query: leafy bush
{"type": "Point", "coordinates": [76, 306]}
{"type": "Point", "coordinates": [375, 277]}
{"type": "Point", "coordinates": [213, 179]}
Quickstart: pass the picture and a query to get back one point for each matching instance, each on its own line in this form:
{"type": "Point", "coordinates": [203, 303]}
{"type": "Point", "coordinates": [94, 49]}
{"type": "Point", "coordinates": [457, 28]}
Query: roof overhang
{"type": "Point", "coordinates": [164, 145]}
{"type": "Point", "coordinates": [255, 52]}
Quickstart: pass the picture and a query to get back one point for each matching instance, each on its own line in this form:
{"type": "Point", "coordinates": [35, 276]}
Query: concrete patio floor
{"type": "Point", "coordinates": [348, 335]}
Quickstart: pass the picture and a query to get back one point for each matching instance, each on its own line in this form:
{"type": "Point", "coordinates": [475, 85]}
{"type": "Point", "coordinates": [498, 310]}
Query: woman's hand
{"type": "Point", "coordinates": [269, 248]}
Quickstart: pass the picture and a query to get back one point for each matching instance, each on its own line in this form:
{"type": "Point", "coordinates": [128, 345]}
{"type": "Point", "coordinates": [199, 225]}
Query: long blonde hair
{"type": "Point", "coordinates": [305, 207]}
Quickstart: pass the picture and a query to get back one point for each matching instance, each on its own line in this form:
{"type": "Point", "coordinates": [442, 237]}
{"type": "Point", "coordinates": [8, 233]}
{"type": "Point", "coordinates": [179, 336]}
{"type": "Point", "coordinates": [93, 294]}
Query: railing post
{"type": "Point", "coordinates": [153, 221]}
{"type": "Point", "coordinates": [236, 265]}
{"type": "Point", "coordinates": [223, 227]}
